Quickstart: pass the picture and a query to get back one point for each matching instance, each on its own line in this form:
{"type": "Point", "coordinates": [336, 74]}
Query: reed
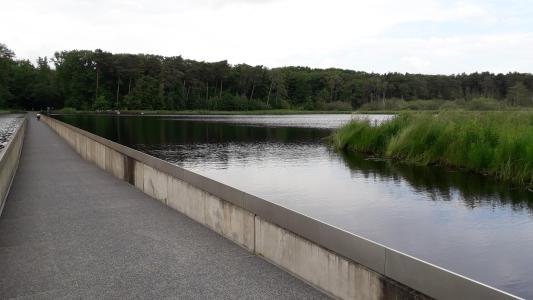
{"type": "Point", "coordinates": [493, 143]}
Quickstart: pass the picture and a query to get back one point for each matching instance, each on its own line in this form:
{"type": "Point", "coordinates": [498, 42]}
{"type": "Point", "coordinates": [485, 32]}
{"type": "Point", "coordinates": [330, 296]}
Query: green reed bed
{"type": "Point", "coordinates": [492, 143]}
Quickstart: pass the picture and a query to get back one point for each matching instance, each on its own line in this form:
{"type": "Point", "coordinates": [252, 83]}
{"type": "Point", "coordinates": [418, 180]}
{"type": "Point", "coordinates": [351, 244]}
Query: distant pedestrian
{"type": "Point", "coordinates": [38, 117]}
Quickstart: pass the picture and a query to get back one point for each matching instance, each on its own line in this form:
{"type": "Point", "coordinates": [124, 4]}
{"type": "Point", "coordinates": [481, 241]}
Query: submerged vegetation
{"type": "Point", "coordinates": [492, 143]}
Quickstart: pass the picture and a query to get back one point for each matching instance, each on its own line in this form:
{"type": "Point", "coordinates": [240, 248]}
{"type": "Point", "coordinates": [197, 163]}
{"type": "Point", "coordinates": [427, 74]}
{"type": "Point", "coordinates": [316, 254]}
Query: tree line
{"type": "Point", "coordinates": [99, 80]}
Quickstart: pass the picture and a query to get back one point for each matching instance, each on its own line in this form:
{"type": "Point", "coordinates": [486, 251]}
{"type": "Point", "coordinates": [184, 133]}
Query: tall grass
{"type": "Point", "coordinates": [493, 143]}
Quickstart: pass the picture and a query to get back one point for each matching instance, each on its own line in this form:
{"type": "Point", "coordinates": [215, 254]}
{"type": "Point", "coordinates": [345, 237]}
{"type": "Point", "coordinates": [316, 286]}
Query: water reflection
{"type": "Point", "coordinates": [468, 223]}
{"type": "Point", "coordinates": [443, 184]}
{"type": "Point", "coordinates": [171, 131]}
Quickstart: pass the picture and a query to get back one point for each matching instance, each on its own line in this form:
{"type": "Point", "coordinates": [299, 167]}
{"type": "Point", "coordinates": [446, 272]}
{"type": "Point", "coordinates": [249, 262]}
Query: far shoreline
{"type": "Point", "coordinates": [200, 112]}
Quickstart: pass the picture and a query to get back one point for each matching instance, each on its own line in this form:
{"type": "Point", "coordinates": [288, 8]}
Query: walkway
{"type": "Point", "coordinates": [70, 230]}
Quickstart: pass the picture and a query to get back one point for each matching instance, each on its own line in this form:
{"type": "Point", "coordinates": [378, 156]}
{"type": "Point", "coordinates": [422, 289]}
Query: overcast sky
{"type": "Point", "coordinates": [426, 36]}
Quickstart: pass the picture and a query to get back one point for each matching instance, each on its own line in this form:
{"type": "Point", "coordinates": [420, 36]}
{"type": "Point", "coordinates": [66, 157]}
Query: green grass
{"type": "Point", "coordinates": [210, 112]}
{"type": "Point", "coordinates": [493, 143]}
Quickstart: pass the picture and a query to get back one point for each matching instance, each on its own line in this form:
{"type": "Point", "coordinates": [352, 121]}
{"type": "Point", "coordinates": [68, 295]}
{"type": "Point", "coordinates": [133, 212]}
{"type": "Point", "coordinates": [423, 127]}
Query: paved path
{"type": "Point", "coordinates": [70, 230]}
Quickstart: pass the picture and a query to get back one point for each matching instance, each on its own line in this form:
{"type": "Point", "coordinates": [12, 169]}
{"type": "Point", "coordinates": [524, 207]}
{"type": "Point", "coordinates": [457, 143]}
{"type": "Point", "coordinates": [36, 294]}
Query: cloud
{"type": "Point", "coordinates": [416, 62]}
{"type": "Point", "coordinates": [383, 35]}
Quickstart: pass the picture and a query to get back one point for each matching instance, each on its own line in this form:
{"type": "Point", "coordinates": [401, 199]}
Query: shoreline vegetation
{"type": "Point", "coordinates": [204, 112]}
{"type": "Point", "coordinates": [498, 144]}
{"type": "Point", "coordinates": [434, 105]}
{"type": "Point", "coordinates": [388, 106]}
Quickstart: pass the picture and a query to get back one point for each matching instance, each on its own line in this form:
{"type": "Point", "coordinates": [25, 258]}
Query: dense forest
{"type": "Point", "coordinates": [84, 79]}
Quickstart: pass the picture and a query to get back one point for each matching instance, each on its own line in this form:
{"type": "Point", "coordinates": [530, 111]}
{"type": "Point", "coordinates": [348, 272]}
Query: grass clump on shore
{"type": "Point", "coordinates": [492, 143]}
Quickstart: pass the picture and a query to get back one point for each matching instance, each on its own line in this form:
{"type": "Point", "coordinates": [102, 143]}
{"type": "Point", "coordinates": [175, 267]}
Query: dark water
{"type": "Point", "coordinates": [466, 223]}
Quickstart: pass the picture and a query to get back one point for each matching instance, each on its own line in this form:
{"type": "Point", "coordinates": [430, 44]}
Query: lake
{"type": "Point", "coordinates": [466, 223]}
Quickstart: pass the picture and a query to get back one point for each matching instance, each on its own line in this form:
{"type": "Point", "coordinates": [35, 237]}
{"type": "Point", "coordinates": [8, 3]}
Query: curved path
{"type": "Point", "coordinates": [70, 230]}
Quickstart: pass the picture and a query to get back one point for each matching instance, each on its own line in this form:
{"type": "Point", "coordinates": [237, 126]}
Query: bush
{"type": "Point", "coordinates": [101, 103]}
{"type": "Point", "coordinates": [399, 104]}
{"type": "Point", "coordinates": [452, 105]}
{"type": "Point", "coordinates": [280, 104]}
{"type": "Point", "coordinates": [484, 104]}
{"type": "Point", "coordinates": [424, 104]}
{"type": "Point", "coordinates": [257, 105]}
{"type": "Point", "coordinates": [338, 105]}
{"type": "Point", "coordinates": [232, 103]}
{"type": "Point", "coordinates": [67, 110]}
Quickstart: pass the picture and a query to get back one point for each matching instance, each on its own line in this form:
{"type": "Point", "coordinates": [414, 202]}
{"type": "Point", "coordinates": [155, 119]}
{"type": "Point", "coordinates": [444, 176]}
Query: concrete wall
{"type": "Point", "coordinates": [9, 160]}
{"type": "Point", "coordinates": [341, 264]}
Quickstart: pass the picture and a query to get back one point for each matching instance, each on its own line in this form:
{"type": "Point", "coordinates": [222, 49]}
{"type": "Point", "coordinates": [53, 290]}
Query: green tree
{"type": "Point", "coordinates": [6, 61]}
{"type": "Point", "coordinates": [143, 81]}
{"type": "Point", "coordinates": [333, 82]}
{"type": "Point", "coordinates": [518, 94]}
{"type": "Point", "coordinates": [144, 95]}
{"type": "Point", "coordinates": [277, 87]}
{"type": "Point", "coordinates": [101, 103]}
{"type": "Point", "coordinates": [76, 77]}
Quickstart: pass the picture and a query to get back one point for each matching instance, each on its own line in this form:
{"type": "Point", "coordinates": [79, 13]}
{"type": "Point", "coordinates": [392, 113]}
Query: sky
{"type": "Point", "coordinates": [415, 36]}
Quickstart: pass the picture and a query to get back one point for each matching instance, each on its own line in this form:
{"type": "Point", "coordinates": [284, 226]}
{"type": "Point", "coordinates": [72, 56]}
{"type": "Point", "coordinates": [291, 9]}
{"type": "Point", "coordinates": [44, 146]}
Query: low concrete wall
{"type": "Point", "coordinates": [9, 160]}
{"type": "Point", "coordinates": [340, 263]}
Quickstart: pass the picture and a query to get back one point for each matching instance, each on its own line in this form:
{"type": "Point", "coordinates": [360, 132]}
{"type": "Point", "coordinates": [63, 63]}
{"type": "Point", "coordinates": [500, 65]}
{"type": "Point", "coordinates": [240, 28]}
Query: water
{"type": "Point", "coordinates": [8, 126]}
{"type": "Point", "coordinates": [466, 223]}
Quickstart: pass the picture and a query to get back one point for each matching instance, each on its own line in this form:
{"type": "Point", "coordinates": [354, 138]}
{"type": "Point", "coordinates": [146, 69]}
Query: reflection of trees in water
{"type": "Point", "coordinates": [154, 130]}
{"type": "Point", "coordinates": [441, 184]}
{"type": "Point", "coordinates": [179, 140]}
{"type": "Point", "coordinates": [221, 155]}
